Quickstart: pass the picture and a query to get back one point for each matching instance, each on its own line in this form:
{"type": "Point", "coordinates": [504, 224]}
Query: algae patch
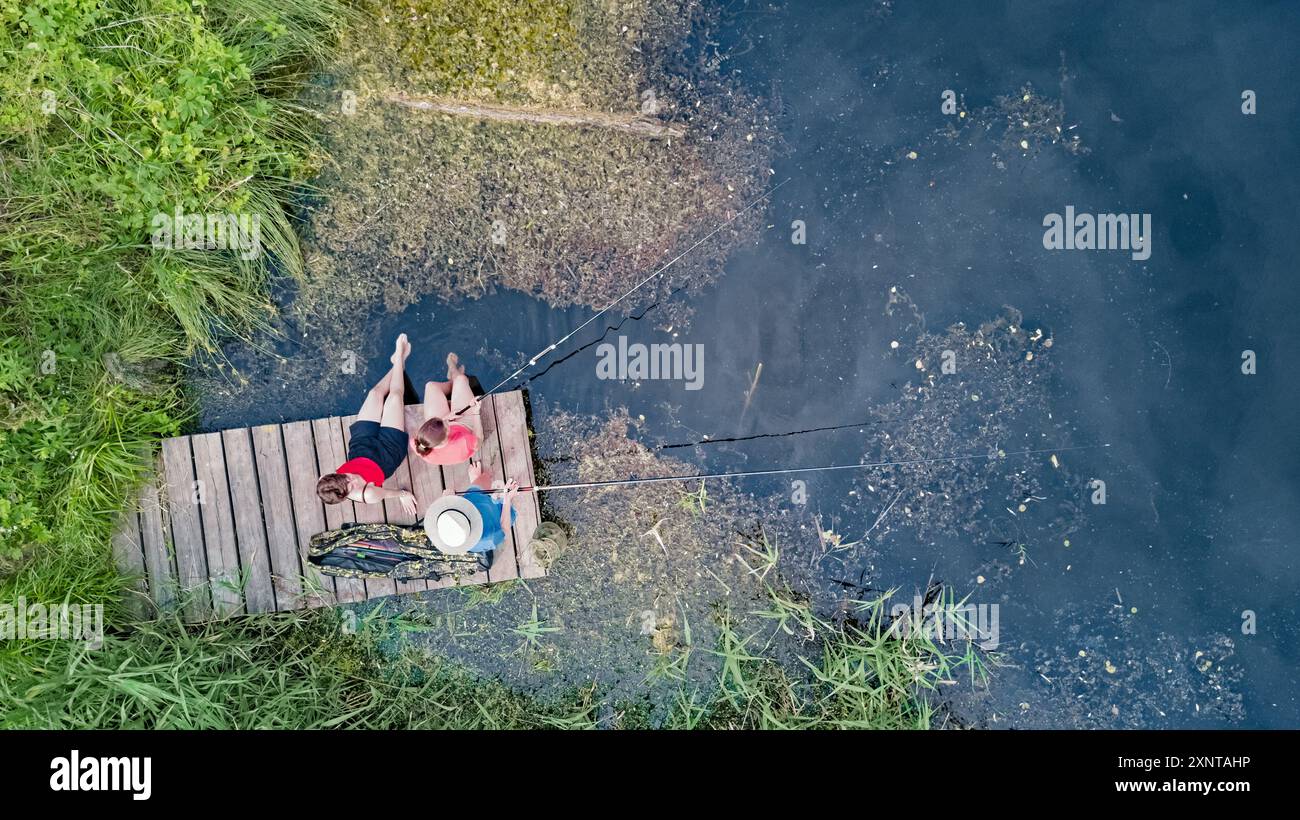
{"type": "Point", "coordinates": [979, 397]}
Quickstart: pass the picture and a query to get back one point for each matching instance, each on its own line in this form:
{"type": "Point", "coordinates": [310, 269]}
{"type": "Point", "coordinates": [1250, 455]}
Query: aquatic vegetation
{"type": "Point", "coordinates": [506, 50]}
{"type": "Point", "coordinates": [981, 392]}
{"type": "Point", "coordinates": [1030, 119]}
{"type": "Point", "coordinates": [487, 594]}
{"type": "Point", "coordinates": [700, 627]}
{"type": "Point", "coordinates": [532, 631]}
{"type": "Point", "coordinates": [672, 658]}
{"type": "Point", "coordinates": [764, 555]}
{"type": "Point", "coordinates": [862, 676]}
{"type": "Point", "coordinates": [695, 502]}
{"type": "Point", "coordinates": [1111, 668]}
{"type": "Point", "coordinates": [418, 203]}
{"type": "Point", "coordinates": [788, 613]}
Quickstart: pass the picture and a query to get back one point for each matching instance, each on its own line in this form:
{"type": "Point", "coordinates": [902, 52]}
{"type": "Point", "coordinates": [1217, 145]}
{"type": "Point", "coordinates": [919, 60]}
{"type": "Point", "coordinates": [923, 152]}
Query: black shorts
{"type": "Point", "coordinates": [386, 446]}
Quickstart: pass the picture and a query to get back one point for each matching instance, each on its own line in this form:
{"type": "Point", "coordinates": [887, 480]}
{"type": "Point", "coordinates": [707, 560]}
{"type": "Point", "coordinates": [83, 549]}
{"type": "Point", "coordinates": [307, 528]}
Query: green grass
{"type": "Point", "coordinates": [487, 594]}
{"type": "Point", "coordinates": [859, 675]}
{"type": "Point", "coordinates": [763, 554]}
{"type": "Point", "coordinates": [299, 670]}
{"type": "Point", "coordinates": [532, 631]}
{"type": "Point", "coordinates": [315, 670]}
{"type": "Point", "coordinates": [696, 502]}
{"type": "Point", "coordinates": [791, 616]}
{"type": "Point", "coordinates": [112, 111]}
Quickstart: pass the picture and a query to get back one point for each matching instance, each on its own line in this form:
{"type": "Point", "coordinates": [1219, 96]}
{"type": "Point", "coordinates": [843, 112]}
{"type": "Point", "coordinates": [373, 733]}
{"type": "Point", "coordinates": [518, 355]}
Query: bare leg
{"type": "Point", "coordinates": [438, 387]}
{"type": "Point", "coordinates": [394, 412]}
{"type": "Point", "coordinates": [435, 400]}
{"type": "Point", "coordinates": [462, 396]}
{"type": "Point", "coordinates": [480, 476]}
{"type": "Point", "coordinates": [373, 407]}
{"type": "Point", "coordinates": [454, 367]}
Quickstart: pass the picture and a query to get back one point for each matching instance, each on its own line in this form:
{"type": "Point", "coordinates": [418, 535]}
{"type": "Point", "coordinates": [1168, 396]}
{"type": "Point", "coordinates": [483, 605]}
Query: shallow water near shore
{"type": "Point", "coordinates": [913, 227]}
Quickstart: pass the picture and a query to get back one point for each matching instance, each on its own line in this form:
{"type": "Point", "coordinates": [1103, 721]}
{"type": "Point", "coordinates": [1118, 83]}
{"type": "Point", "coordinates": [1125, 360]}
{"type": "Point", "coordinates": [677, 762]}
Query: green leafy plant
{"type": "Point", "coordinates": [533, 630]}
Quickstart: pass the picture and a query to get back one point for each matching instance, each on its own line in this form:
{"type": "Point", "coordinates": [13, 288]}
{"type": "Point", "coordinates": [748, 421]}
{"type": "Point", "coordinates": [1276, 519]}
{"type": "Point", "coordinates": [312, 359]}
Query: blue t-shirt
{"type": "Point", "coordinates": [490, 509]}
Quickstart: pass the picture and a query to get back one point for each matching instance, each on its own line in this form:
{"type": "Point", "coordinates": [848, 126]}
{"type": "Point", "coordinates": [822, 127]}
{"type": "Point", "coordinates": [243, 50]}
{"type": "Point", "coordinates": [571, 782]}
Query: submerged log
{"type": "Point", "coordinates": [628, 123]}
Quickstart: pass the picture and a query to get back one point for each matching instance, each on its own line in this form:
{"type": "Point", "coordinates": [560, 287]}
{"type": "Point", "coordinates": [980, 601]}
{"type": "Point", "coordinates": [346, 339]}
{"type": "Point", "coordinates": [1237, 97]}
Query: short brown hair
{"type": "Point", "coordinates": [332, 488]}
{"type": "Point", "coordinates": [432, 433]}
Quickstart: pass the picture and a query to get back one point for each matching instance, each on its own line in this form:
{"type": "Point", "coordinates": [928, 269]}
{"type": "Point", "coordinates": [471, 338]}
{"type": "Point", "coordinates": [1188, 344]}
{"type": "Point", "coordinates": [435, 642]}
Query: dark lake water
{"type": "Point", "coordinates": [1198, 532]}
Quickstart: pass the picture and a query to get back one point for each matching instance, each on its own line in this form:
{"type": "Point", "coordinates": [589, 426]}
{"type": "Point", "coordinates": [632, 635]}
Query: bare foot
{"type": "Point", "coordinates": [401, 349]}
{"type": "Point", "coordinates": [454, 367]}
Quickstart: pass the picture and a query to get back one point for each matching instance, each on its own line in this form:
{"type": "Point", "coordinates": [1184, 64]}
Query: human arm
{"type": "Point", "coordinates": [371, 494]}
{"type": "Point", "coordinates": [512, 489]}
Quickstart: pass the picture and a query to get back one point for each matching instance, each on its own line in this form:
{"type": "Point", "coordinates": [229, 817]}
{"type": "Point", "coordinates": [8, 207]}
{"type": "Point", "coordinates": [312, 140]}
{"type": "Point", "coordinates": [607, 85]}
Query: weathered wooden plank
{"type": "Point", "coordinates": [369, 514]}
{"type": "Point", "coordinates": [427, 484]}
{"type": "Point", "coordinates": [218, 524]}
{"type": "Point", "coordinates": [396, 515]}
{"type": "Point", "coordinates": [153, 540]}
{"type": "Point", "coordinates": [250, 525]}
{"type": "Point", "coordinates": [456, 476]}
{"type": "Point", "coordinates": [330, 453]}
{"type": "Point", "coordinates": [183, 498]}
{"type": "Point", "coordinates": [128, 555]}
{"type": "Point", "coordinates": [308, 511]}
{"type": "Point", "coordinates": [505, 565]}
{"type": "Point", "coordinates": [281, 533]}
{"type": "Point", "coordinates": [517, 453]}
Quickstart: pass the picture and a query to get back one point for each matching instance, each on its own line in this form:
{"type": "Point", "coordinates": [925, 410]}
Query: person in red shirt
{"type": "Point", "coordinates": [449, 436]}
{"type": "Point", "coordinates": [377, 444]}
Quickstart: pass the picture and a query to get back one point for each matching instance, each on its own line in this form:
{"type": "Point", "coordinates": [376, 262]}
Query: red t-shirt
{"type": "Point", "coordinates": [364, 467]}
{"type": "Point", "coordinates": [457, 449]}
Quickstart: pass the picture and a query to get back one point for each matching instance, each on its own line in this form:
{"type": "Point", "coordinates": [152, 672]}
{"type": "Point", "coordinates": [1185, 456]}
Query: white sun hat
{"type": "Point", "coordinates": [453, 524]}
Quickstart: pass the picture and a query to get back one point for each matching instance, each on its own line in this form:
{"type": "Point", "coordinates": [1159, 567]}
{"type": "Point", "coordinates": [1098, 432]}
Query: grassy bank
{"type": "Point", "coordinates": [304, 671]}
{"type": "Point", "coordinates": [112, 112]}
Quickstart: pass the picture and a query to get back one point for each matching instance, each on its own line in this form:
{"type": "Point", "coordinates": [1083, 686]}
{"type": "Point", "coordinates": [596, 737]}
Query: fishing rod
{"type": "Point", "coordinates": [659, 272]}
{"type": "Point", "coordinates": [789, 470]}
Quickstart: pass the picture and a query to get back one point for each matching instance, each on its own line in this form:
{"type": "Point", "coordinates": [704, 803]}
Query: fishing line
{"type": "Point", "coordinates": [636, 317]}
{"type": "Point", "coordinates": [639, 285]}
{"type": "Point", "coordinates": [873, 423]}
{"type": "Point", "coordinates": [621, 482]}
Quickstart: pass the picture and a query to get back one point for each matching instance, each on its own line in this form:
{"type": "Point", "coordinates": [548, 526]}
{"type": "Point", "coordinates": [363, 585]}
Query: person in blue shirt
{"type": "Point", "coordinates": [475, 521]}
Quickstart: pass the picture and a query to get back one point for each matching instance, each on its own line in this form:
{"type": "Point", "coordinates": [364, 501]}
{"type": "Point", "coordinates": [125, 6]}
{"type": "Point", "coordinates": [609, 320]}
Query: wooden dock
{"type": "Point", "coordinates": [223, 526]}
